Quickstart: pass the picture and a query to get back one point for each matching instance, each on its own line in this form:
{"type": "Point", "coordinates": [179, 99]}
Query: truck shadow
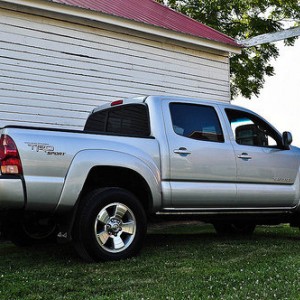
{"type": "Point", "coordinates": [180, 239]}
{"type": "Point", "coordinates": [205, 234]}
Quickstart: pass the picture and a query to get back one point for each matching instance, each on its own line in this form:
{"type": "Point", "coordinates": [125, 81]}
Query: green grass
{"type": "Point", "coordinates": [181, 262]}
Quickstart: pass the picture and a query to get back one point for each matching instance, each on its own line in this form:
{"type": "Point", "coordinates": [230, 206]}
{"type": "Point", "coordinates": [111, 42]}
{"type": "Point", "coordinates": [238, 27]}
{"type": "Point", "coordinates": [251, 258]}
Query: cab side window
{"type": "Point", "coordinates": [197, 122]}
{"type": "Point", "coordinates": [250, 130]}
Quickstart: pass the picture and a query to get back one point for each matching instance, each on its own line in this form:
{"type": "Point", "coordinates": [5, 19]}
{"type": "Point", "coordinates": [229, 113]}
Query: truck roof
{"type": "Point", "coordinates": [142, 99]}
{"type": "Point", "coordinates": [120, 102]}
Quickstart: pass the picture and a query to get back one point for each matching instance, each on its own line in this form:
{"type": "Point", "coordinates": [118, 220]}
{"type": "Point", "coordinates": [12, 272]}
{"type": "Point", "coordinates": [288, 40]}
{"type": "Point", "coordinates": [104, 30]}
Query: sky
{"type": "Point", "coordinates": [279, 100]}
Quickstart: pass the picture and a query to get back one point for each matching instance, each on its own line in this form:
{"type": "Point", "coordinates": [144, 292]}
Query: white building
{"type": "Point", "coordinates": [58, 60]}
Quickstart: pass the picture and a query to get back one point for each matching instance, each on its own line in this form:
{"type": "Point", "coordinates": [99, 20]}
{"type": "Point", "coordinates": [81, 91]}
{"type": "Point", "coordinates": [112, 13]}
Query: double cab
{"type": "Point", "coordinates": [136, 158]}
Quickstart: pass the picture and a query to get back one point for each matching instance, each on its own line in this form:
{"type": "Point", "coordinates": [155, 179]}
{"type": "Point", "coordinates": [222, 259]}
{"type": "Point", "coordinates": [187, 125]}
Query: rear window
{"type": "Point", "coordinates": [131, 119]}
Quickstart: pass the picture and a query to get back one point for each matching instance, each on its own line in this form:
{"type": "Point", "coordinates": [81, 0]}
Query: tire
{"type": "Point", "coordinates": [32, 232]}
{"type": "Point", "coordinates": [237, 228]}
{"type": "Point", "coordinates": [110, 225]}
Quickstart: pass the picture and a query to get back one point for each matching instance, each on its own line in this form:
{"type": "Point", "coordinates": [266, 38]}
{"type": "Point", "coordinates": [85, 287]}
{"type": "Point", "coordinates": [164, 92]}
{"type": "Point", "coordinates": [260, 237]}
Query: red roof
{"type": "Point", "coordinates": [153, 13]}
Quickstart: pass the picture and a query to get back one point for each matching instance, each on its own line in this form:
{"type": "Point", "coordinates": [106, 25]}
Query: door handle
{"type": "Point", "coordinates": [245, 156]}
{"type": "Point", "coordinates": [182, 151]}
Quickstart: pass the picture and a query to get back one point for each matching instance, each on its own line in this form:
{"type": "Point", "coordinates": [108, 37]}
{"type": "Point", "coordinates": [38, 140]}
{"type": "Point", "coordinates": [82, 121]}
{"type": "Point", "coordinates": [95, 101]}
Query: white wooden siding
{"type": "Point", "coordinates": [54, 72]}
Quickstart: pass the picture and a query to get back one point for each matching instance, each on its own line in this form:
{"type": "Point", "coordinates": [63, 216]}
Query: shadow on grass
{"type": "Point", "coordinates": [206, 231]}
{"type": "Point", "coordinates": [206, 238]}
{"type": "Point", "coordinates": [174, 237]}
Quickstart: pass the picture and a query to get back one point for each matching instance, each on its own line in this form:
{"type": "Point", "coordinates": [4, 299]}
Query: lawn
{"type": "Point", "coordinates": [179, 262]}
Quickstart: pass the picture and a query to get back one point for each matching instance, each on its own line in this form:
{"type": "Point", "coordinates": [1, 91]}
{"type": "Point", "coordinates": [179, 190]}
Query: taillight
{"type": "Point", "coordinates": [9, 156]}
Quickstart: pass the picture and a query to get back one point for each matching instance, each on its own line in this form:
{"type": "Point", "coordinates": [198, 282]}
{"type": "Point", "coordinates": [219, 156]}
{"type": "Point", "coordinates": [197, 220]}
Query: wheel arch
{"type": "Point", "coordinates": [97, 169]}
{"type": "Point", "coordinates": [122, 177]}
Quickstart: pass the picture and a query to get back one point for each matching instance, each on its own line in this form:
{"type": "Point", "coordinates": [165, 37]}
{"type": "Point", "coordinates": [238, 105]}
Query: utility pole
{"type": "Point", "coordinates": [270, 37]}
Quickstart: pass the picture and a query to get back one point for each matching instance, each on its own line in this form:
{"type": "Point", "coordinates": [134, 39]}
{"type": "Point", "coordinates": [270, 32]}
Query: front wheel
{"type": "Point", "coordinates": [111, 225]}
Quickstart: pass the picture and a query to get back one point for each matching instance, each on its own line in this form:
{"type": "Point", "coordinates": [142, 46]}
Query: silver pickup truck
{"type": "Point", "coordinates": [135, 158]}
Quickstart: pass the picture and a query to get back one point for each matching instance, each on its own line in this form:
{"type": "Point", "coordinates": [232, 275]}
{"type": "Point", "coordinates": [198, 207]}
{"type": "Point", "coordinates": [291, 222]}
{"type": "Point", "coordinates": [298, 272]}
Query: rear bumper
{"type": "Point", "coordinates": [11, 193]}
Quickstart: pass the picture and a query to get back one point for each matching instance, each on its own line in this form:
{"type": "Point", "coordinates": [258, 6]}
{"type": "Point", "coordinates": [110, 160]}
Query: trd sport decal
{"type": "Point", "coordinates": [46, 148]}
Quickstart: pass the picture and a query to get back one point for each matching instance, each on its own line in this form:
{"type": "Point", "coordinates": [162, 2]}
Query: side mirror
{"type": "Point", "coordinates": [287, 139]}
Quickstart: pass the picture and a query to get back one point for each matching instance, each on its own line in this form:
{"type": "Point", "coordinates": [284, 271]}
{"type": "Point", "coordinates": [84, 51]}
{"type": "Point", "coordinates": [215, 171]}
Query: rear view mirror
{"type": "Point", "coordinates": [287, 139]}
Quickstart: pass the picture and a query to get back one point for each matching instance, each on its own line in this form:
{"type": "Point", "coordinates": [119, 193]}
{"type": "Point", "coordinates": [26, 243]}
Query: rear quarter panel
{"type": "Point", "coordinates": [48, 155]}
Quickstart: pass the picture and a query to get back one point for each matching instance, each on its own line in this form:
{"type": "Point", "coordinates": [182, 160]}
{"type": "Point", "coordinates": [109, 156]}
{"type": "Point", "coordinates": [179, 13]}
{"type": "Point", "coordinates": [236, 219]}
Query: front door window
{"type": "Point", "coordinates": [252, 131]}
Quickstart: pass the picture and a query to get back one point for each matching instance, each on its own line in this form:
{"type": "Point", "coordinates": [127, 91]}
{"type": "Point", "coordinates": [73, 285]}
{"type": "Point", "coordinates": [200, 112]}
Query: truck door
{"type": "Point", "coordinates": [266, 173]}
{"type": "Point", "coordinates": [202, 163]}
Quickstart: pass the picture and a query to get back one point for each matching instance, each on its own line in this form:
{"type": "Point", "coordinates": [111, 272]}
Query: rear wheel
{"type": "Point", "coordinates": [110, 225]}
{"type": "Point", "coordinates": [32, 232]}
{"type": "Point", "coordinates": [236, 228]}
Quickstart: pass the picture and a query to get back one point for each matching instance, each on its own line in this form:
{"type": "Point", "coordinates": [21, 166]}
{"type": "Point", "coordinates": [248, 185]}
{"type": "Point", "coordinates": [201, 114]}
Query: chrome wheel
{"type": "Point", "coordinates": [115, 227]}
{"type": "Point", "coordinates": [111, 224]}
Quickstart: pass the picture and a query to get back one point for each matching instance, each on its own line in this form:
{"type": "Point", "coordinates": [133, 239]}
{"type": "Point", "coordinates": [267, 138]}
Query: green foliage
{"type": "Point", "coordinates": [179, 262]}
{"type": "Point", "coordinates": [243, 19]}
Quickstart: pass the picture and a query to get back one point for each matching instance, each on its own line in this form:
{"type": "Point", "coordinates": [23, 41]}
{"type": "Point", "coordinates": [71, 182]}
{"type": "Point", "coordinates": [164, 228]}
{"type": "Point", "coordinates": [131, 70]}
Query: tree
{"type": "Point", "coordinates": [243, 19]}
